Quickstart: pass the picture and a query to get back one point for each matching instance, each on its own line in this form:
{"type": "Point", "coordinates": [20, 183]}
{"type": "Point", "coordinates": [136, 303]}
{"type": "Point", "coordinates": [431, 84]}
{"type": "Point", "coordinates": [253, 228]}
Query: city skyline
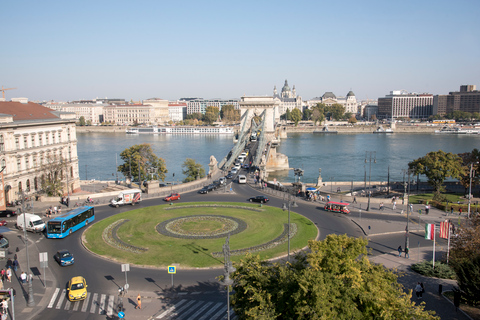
{"type": "Point", "coordinates": [71, 51]}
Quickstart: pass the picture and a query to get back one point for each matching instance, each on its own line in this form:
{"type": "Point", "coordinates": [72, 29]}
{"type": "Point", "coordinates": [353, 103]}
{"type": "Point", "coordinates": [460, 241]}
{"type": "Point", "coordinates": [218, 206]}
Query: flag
{"type": "Point", "coordinates": [444, 227]}
{"type": "Point", "coordinates": [429, 231]}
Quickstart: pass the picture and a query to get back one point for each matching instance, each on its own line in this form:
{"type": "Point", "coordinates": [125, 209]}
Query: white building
{"type": "Point", "coordinates": [288, 99]}
{"type": "Point", "coordinates": [177, 111]}
{"type": "Point", "coordinates": [91, 112]}
{"type": "Point", "coordinates": [199, 105]}
{"type": "Point", "coordinates": [329, 98]}
{"type": "Point", "coordinates": [32, 135]}
{"type": "Point", "coordinates": [402, 104]}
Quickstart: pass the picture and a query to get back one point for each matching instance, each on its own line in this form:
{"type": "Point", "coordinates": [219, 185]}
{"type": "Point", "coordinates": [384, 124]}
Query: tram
{"type": "Point", "coordinates": [340, 207]}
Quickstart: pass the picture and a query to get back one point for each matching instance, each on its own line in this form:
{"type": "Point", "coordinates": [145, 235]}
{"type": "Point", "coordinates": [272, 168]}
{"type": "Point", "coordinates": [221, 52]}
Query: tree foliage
{"type": "Point", "coordinates": [140, 157]}
{"type": "Point", "coordinates": [437, 166]}
{"type": "Point", "coordinates": [352, 119]}
{"type": "Point", "coordinates": [192, 170]}
{"type": "Point", "coordinates": [53, 172]}
{"type": "Point", "coordinates": [317, 116]}
{"type": "Point", "coordinates": [465, 259]}
{"type": "Point", "coordinates": [470, 161]}
{"type": "Point", "coordinates": [229, 113]}
{"type": "Point", "coordinates": [307, 114]}
{"type": "Point", "coordinates": [296, 116]}
{"type": "Point", "coordinates": [335, 280]}
{"type": "Point", "coordinates": [81, 121]}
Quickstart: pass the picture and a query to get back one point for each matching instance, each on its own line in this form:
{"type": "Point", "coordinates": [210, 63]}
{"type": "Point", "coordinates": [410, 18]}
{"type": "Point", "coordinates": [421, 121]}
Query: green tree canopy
{"type": "Point", "coordinates": [335, 280]}
{"type": "Point", "coordinates": [470, 162]}
{"type": "Point", "coordinates": [352, 119]}
{"type": "Point", "coordinates": [437, 166]}
{"type": "Point", "coordinates": [81, 121]}
{"type": "Point", "coordinates": [296, 116]}
{"type": "Point", "coordinates": [337, 111]}
{"type": "Point", "coordinates": [317, 116]}
{"type": "Point", "coordinates": [142, 155]}
{"type": "Point", "coordinates": [229, 113]}
{"type": "Point", "coordinates": [192, 170]}
{"type": "Point", "coordinates": [307, 114]}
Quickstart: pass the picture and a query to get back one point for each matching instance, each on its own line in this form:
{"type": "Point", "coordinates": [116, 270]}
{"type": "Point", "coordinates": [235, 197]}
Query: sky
{"type": "Point", "coordinates": [135, 50]}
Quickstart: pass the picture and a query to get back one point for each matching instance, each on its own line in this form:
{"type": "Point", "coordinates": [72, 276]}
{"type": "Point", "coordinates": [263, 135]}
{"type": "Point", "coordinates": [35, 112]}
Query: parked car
{"type": "Point", "coordinates": [7, 213]}
{"type": "Point", "coordinates": [77, 289]}
{"type": "Point", "coordinates": [261, 199]}
{"type": "Point", "coordinates": [4, 242]}
{"type": "Point", "coordinates": [173, 196]}
{"type": "Point", "coordinates": [64, 257]}
{"type": "Point", "coordinates": [222, 180]}
{"type": "Point", "coordinates": [3, 223]}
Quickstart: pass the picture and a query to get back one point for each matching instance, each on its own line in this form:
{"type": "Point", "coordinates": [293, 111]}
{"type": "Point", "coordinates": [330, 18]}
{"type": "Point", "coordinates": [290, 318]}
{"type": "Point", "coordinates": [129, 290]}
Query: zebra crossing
{"type": "Point", "coordinates": [99, 303]}
{"type": "Point", "coordinates": [196, 309]}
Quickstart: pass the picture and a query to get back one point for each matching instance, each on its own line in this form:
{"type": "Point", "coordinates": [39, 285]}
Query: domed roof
{"type": "Point", "coordinates": [285, 87]}
{"type": "Point", "coordinates": [328, 95]}
{"type": "Point", "coordinates": [350, 94]}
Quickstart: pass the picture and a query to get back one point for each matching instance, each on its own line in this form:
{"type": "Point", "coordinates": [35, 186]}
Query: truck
{"type": "Point", "coordinates": [131, 196]}
{"type": "Point", "coordinates": [31, 222]}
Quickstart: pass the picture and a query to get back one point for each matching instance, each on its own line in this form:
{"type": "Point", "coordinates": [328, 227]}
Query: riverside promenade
{"type": "Point", "coordinates": [370, 227]}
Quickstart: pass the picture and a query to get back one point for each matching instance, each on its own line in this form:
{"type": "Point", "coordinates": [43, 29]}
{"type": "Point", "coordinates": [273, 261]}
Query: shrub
{"type": "Point", "coordinates": [442, 270]}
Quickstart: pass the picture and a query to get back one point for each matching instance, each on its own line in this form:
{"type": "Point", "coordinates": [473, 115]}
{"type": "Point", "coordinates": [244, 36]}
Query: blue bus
{"type": "Point", "coordinates": [62, 226]}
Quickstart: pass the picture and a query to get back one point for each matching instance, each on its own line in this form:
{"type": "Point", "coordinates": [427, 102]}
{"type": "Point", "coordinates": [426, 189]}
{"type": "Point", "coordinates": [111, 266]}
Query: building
{"type": "Point", "coordinates": [288, 99]}
{"type": "Point", "coordinates": [177, 111]}
{"type": "Point", "coordinates": [349, 102]}
{"type": "Point", "coordinates": [93, 113]}
{"type": "Point", "coordinates": [466, 100]}
{"type": "Point", "coordinates": [160, 110]}
{"type": "Point", "coordinates": [33, 137]}
{"type": "Point", "coordinates": [401, 104]}
{"type": "Point", "coordinates": [130, 114]}
{"type": "Point", "coordinates": [199, 105]}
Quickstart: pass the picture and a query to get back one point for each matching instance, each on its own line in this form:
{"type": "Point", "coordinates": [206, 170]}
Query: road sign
{"type": "Point", "coordinates": [121, 314]}
{"type": "Point", "coordinates": [172, 269]}
{"type": "Point", "coordinates": [125, 267]}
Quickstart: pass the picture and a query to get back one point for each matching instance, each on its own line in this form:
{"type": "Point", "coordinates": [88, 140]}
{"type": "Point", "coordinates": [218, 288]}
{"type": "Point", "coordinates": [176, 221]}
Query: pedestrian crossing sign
{"type": "Point", "coordinates": [172, 269]}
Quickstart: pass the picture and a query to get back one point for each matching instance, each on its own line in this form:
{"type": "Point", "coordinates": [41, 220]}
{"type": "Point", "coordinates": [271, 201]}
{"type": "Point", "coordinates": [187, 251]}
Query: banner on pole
{"type": "Point", "coordinates": [444, 228]}
{"type": "Point", "coordinates": [429, 231]}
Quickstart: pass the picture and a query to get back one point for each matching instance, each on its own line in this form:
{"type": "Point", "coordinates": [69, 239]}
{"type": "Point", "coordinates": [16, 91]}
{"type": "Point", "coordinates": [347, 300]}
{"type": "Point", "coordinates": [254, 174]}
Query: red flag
{"type": "Point", "coordinates": [444, 228]}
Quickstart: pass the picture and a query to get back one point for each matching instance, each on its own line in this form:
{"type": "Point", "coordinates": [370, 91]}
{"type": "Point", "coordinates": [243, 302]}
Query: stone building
{"type": "Point", "coordinates": [402, 104]}
{"type": "Point", "coordinates": [466, 100]}
{"type": "Point", "coordinates": [31, 137]}
{"type": "Point", "coordinates": [288, 99]}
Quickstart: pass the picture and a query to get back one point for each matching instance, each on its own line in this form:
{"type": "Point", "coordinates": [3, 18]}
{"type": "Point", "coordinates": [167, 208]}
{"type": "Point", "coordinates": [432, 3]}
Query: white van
{"type": "Point", "coordinates": [241, 159]}
{"type": "Point", "coordinates": [32, 222]}
{"type": "Point", "coordinates": [242, 178]}
{"type": "Point", "coordinates": [131, 196]}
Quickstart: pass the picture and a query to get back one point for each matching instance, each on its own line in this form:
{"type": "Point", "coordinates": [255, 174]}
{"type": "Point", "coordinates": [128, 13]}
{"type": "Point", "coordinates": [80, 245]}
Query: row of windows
{"type": "Point", "coordinates": [37, 160]}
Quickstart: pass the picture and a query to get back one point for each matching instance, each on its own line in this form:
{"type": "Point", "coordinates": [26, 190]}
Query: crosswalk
{"type": "Point", "coordinates": [186, 306]}
{"type": "Point", "coordinates": [99, 303]}
{"type": "Point", "coordinates": [196, 309]}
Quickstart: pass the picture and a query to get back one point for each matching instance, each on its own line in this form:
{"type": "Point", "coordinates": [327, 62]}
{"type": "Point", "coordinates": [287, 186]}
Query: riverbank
{"type": "Point", "coordinates": [341, 129]}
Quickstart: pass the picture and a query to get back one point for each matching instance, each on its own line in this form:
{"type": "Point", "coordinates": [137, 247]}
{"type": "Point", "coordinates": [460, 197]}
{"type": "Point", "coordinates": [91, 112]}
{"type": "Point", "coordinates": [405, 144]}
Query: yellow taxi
{"type": "Point", "coordinates": [77, 289]}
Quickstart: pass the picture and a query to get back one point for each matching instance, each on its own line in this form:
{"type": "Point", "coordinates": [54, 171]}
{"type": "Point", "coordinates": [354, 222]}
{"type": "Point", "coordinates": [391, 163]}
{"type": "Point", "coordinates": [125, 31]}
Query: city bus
{"type": "Point", "coordinates": [65, 224]}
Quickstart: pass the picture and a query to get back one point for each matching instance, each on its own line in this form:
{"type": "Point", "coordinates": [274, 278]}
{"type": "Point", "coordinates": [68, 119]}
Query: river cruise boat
{"type": "Point", "coordinates": [457, 130]}
{"type": "Point", "coordinates": [340, 207]}
{"type": "Point", "coordinates": [381, 129]}
{"type": "Point", "coordinates": [180, 130]}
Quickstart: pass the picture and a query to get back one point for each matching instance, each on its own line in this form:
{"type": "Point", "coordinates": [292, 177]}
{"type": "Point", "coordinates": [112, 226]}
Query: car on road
{"type": "Point", "coordinates": [207, 189]}
{"type": "Point", "coordinates": [77, 289]}
{"type": "Point", "coordinates": [229, 175]}
{"type": "Point", "coordinates": [172, 197]}
{"type": "Point", "coordinates": [261, 199]}
{"type": "Point", "coordinates": [222, 180]}
{"type": "Point", "coordinates": [234, 171]}
{"type": "Point", "coordinates": [7, 213]}
{"type": "Point", "coordinates": [4, 242]}
{"type": "Point", "coordinates": [242, 179]}
{"type": "Point", "coordinates": [64, 257]}
{"type": "Point", "coordinates": [3, 223]}
{"type": "Point", "coordinates": [237, 166]}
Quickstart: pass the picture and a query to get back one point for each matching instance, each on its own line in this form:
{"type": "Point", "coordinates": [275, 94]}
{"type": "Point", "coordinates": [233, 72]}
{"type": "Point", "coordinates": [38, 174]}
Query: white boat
{"type": "Point", "coordinates": [180, 130]}
{"type": "Point", "coordinates": [457, 130]}
{"type": "Point", "coordinates": [381, 129]}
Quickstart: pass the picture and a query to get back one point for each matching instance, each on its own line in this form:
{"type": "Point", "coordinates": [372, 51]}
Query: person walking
{"type": "Point", "coordinates": [407, 254]}
{"type": "Point", "coordinates": [139, 302]}
{"type": "Point", "coordinates": [354, 199]}
{"type": "Point", "coordinates": [23, 277]}
{"type": "Point", "coordinates": [399, 251]}
{"type": "Point", "coordinates": [418, 290]}
{"type": "Point", "coordinates": [451, 210]}
{"type": "Point", "coordinates": [9, 274]}
{"type": "Point", "coordinates": [394, 205]}
{"type": "Point", "coordinates": [460, 211]}
{"type": "Point", "coordinates": [15, 264]}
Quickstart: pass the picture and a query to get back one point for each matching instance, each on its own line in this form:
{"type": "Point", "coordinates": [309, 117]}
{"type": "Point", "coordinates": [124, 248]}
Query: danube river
{"type": "Point", "coordinates": [340, 156]}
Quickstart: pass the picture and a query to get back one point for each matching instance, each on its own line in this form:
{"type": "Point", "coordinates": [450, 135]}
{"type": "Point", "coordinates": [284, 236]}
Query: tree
{"type": "Point", "coordinates": [210, 117]}
{"type": "Point", "coordinates": [373, 117]}
{"type": "Point", "coordinates": [141, 155]}
{"type": "Point", "coordinates": [352, 120]}
{"type": "Point", "coordinates": [437, 166]}
{"type": "Point", "coordinates": [53, 170]}
{"type": "Point", "coordinates": [335, 280]}
{"type": "Point", "coordinates": [192, 170]}
{"type": "Point", "coordinates": [229, 114]}
{"type": "Point", "coordinates": [470, 160]}
{"type": "Point", "coordinates": [337, 111]}
{"type": "Point", "coordinates": [296, 116]}
{"type": "Point", "coordinates": [81, 121]}
{"type": "Point", "coordinates": [348, 115]}
{"type": "Point", "coordinates": [465, 259]}
{"type": "Point", "coordinates": [307, 114]}
{"type": "Point", "coordinates": [288, 115]}
{"type": "Point", "coordinates": [317, 116]}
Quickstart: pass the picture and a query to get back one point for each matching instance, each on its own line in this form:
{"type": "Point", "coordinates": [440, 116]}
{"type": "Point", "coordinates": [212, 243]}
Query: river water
{"type": "Point", "coordinates": [340, 156]}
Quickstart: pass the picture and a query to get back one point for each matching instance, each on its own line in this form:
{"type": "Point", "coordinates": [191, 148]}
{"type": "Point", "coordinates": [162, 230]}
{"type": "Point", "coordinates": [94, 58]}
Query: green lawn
{"type": "Point", "coordinates": [162, 251]}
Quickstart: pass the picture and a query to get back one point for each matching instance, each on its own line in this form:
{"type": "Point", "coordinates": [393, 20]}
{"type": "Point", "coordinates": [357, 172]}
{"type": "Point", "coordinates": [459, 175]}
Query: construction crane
{"type": "Point", "coordinates": [5, 89]}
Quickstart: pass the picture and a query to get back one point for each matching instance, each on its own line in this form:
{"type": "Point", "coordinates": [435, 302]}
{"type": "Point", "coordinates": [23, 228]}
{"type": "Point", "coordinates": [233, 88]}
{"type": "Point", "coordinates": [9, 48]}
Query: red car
{"type": "Point", "coordinates": [3, 223]}
{"type": "Point", "coordinates": [173, 196]}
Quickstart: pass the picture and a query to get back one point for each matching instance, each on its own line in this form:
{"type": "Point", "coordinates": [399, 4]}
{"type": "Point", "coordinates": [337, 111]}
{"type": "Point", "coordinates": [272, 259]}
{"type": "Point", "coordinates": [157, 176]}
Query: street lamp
{"type": "Point", "coordinates": [405, 184]}
{"type": "Point", "coordinates": [368, 155]}
{"type": "Point", "coordinates": [31, 302]}
{"type": "Point", "coordinates": [228, 267]}
{"type": "Point", "coordinates": [285, 207]}
{"type": "Point", "coordinates": [470, 188]}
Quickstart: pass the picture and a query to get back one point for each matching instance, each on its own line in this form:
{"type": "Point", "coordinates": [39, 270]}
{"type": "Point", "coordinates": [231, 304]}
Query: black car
{"type": "Point", "coordinates": [229, 175]}
{"type": "Point", "coordinates": [261, 199]}
{"type": "Point", "coordinates": [207, 189]}
{"type": "Point", "coordinates": [7, 213]}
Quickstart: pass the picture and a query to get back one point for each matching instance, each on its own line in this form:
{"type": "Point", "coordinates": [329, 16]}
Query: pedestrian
{"type": "Point", "coordinates": [15, 265]}
{"type": "Point", "coordinates": [139, 302]}
{"type": "Point", "coordinates": [9, 263]}
{"type": "Point", "coordinates": [23, 277]}
{"type": "Point", "coordinates": [59, 210]}
{"type": "Point", "coordinates": [328, 197]}
{"type": "Point", "coordinates": [460, 211]}
{"type": "Point", "coordinates": [407, 254]}
{"type": "Point", "coordinates": [451, 210]}
{"type": "Point", "coordinates": [67, 202]}
{"type": "Point", "coordinates": [394, 204]}
{"type": "Point", "coordinates": [418, 290]}
{"type": "Point", "coordinates": [5, 306]}
{"type": "Point", "coordinates": [399, 251]}
{"type": "Point", "coordinates": [9, 274]}
{"type": "Point", "coordinates": [427, 209]}
{"type": "Point", "coordinates": [381, 206]}
{"type": "Point", "coordinates": [3, 274]}
{"type": "Point", "coordinates": [354, 199]}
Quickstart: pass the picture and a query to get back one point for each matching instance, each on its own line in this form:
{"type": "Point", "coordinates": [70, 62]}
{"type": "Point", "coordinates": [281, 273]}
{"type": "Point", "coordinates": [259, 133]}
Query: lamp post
{"type": "Point", "coordinates": [470, 188]}
{"type": "Point", "coordinates": [285, 207]}
{"type": "Point", "coordinates": [31, 301]}
{"type": "Point", "coordinates": [368, 155]}
{"type": "Point", "coordinates": [405, 185]}
{"type": "Point", "coordinates": [228, 267]}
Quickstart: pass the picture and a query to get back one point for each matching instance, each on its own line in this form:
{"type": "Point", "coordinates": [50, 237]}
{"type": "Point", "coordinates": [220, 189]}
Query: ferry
{"type": "Point", "coordinates": [457, 130]}
{"type": "Point", "coordinates": [180, 130]}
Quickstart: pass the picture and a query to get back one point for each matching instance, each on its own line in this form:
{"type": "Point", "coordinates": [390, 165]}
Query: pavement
{"type": "Point", "coordinates": [153, 305]}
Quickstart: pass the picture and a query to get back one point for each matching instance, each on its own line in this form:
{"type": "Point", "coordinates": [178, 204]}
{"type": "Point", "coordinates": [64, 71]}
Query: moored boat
{"type": "Point", "coordinates": [180, 130]}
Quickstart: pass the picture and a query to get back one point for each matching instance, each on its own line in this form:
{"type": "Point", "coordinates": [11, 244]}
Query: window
{"type": "Point", "coordinates": [47, 138]}
{"type": "Point", "coordinates": [17, 143]}
{"type": "Point", "coordinates": [25, 142]}
{"type": "Point", "coordinates": [34, 161]}
{"type": "Point", "coordinates": [3, 165]}
{"type": "Point", "coordinates": [19, 164]}
{"type": "Point", "coordinates": [2, 143]}
{"type": "Point", "coordinates": [33, 141]}
{"type": "Point", "coordinates": [40, 140]}
{"type": "Point", "coordinates": [27, 163]}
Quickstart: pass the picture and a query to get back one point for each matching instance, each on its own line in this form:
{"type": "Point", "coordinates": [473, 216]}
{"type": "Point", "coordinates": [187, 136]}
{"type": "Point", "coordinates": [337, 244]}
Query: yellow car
{"type": "Point", "coordinates": [77, 289]}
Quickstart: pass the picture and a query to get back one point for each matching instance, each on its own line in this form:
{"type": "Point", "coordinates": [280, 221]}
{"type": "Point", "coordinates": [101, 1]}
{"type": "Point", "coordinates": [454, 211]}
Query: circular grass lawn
{"type": "Point", "coordinates": [139, 230]}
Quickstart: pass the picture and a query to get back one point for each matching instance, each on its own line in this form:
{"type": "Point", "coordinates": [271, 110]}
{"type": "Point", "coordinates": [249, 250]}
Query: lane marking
{"type": "Point", "coordinates": [54, 297]}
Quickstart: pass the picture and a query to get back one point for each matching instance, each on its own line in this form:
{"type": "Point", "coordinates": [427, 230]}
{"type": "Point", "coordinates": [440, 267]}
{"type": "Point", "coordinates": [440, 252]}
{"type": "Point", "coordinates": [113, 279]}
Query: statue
{"type": "Point", "coordinates": [212, 166]}
{"type": "Point", "coordinates": [319, 180]}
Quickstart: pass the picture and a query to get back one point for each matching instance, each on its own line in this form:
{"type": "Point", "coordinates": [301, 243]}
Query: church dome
{"type": "Point", "coordinates": [350, 94]}
{"type": "Point", "coordinates": [329, 95]}
{"type": "Point", "coordinates": [285, 87]}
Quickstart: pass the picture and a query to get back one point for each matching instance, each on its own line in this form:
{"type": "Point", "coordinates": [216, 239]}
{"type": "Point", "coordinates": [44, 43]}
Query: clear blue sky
{"type": "Point", "coordinates": [67, 50]}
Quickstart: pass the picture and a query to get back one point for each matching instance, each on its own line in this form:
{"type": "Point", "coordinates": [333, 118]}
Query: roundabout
{"type": "Point", "coordinates": [191, 236]}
